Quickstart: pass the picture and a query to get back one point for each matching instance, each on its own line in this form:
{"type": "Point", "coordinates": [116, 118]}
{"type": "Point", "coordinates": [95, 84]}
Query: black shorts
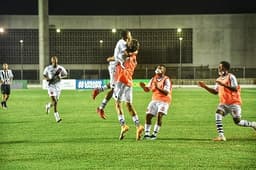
{"type": "Point", "coordinates": [6, 89]}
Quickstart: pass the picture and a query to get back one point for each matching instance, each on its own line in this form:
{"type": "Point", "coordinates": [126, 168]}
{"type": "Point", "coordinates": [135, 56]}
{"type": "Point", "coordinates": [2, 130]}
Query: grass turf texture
{"type": "Point", "coordinates": [30, 139]}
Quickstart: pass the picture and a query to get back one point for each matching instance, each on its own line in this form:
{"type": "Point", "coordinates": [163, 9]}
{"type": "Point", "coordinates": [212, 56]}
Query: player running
{"type": "Point", "coordinates": [229, 99]}
{"type": "Point", "coordinates": [53, 74]}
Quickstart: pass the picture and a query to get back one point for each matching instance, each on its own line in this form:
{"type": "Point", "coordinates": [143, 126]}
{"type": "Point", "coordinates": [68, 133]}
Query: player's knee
{"type": "Point", "coordinates": [236, 120]}
{"type": "Point", "coordinates": [220, 112]}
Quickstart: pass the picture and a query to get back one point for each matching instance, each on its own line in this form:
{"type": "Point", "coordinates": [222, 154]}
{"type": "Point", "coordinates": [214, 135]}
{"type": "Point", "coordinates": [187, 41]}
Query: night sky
{"type": "Point", "coordinates": [129, 7]}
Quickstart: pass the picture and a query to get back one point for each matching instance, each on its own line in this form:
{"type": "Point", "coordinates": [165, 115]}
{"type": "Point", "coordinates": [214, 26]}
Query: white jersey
{"type": "Point", "coordinates": [119, 51]}
{"type": "Point", "coordinates": [6, 76]}
{"type": "Point", "coordinates": [51, 72]}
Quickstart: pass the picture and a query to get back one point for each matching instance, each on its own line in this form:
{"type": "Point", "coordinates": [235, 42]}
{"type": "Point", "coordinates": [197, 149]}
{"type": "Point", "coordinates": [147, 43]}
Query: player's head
{"type": "Point", "coordinates": [54, 60]}
{"type": "Point", "coordinates": [133, 46]}
{"type": "Point", "coordinates": [160, 69]}
{"type": "Point", "coordinates": [126, 35]}
{"type": "Point", "coordinates": [223, 68]}
{"type": "Point", "coordinates": [5, 66]}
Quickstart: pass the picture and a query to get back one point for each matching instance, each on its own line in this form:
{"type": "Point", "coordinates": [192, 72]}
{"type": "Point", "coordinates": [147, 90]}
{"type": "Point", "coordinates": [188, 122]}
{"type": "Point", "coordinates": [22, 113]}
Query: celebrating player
{"type": "Point", "coordinates": [123, 91]}
{"type": "Point", "coordinates": [161, 88]}
{"type": "Point", "coordinates": [120, 54]}
{"type": "Point", "coordinates": [53, 74]}
{"type": "Point", "coordinates": [6, 78]}
{"type": "Point", "coordinates": [229, 99]}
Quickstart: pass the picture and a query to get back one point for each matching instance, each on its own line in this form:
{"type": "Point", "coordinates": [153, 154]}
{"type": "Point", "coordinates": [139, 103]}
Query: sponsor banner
{"type": "Point", "coordinates": [65, 84]}
{"type": "Point", "coordinates": [19, 84]}
{"type": "Point", "coordinates": [89, 84]}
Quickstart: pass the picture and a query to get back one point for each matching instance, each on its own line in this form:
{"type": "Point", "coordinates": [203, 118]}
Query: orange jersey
{"type": "Point", "coordinates": [125, 75]}
{"type": "Point", "coordinates": [227, 96]}
{"type": "Point", "coordinates": [162, 84]}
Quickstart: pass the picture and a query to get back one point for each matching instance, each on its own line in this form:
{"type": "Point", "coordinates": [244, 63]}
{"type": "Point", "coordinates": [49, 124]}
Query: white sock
{"type": "Point", "coordinates": [136, 120]}
{"type": "Point", "coordinates": [121, 119]}
{"type": "Point", "coordinates": [156, 129]}
{"type": "Point", "coordinates": [57, 116]}
{"type": "Point", "coordinates": [147, 129]}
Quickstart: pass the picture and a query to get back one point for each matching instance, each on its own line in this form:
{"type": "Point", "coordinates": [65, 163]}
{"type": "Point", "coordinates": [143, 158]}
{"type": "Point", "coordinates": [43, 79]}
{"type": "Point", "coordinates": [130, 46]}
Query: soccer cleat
{"type": "Point", "coordinates": [95, 93]}
{"type": "Point", "coordinates": [147, 137]}
{"type": "Point", "coordinates": [153, 137]}
{"type": "Point", "coordinates": [124, 129]}
{"type": "Point", "coordinates": [101, 113]}
{"type": "Point", "coordinates": [47, 108]}
{"type": "Point", "coordinates": [219, 139]}
{"type": "Point", "coordinates": [139, 132]}
{"type": "Point", "coordinates": [58, 121]}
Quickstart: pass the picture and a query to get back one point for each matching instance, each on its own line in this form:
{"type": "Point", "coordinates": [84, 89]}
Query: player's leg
{"type": "Point", "coordinates": [236, 114]}
{"type": "Point", "coordinates": [147, 125]}
{"type": "Point", "coordinates": [54, 94]}
{"type": "Point", "coordinates": [100, 109]}
{"type": "Point", "coordinates": [220, 113]}
{"type": "Point", "coordinates": [150, 113]}
{"type": "Point", "coordinates": [135, 118]}
{"type": "Point", "coordinates": [117, 95]}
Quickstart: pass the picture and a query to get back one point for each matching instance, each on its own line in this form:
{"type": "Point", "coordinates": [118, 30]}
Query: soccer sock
{"type": "Point", "coordinates": [156, 129]}
{"type": "Point", "coordinates": [136, 120]}
{"type": "Point", "coordinates": [147, 129]}
{"type": "Point", "coordinates": [245, 123]}
{"type": "Point", "coordinates": [57, 116]}
{"type": "Point", "coordinates": [219, 125]}
{"type": "Point", "coordinates": [103, 103]}
{"type": "Point", "coordinates": [121, 119]}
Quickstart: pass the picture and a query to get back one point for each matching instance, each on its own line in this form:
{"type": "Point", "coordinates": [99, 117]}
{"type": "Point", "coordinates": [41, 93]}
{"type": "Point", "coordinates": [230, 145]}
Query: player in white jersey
{"type": "Point", "coordinates": [120, 54]}
{"type": "Point", "coordinates": [6, 78]}
{"type": "Point", "coordinates": [53, 74]}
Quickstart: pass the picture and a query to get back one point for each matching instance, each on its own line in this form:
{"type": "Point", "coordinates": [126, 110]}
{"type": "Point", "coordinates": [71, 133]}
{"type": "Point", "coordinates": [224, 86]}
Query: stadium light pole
{"type": "Point", "coordinates": [180, 39]}
{"type": "Point", "coordinates": [21, 58]}
{"type": "Point", "coordinates": [179, 31]}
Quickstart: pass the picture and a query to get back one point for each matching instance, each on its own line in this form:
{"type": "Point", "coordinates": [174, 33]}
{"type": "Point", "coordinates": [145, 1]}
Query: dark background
{"type": "Point", "coordinates": [129, 7]}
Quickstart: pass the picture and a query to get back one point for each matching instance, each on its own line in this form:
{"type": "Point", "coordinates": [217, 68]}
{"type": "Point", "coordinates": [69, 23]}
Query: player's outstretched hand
{"type": "Point", "coordinates": [202, 84]}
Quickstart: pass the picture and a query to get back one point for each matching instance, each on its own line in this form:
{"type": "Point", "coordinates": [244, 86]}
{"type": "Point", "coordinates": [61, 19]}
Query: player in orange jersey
{"type": "Point", "coordinates": [123, 91]}
{"type": "Point", "coordinates": [161, 88]}
{"type": "Point", "coordinates": [229, 99]}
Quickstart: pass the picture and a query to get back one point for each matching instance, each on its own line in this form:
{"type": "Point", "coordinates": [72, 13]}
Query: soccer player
{"type": "Point", "coordinates": [6, 78]}
{"type": "Point", "coordinates": [161, 88]}
{"type": "Point", "coordinates": [115, 61]}
{"type": "Point", "coordinates": [229, 99]}
{"type": "Point", "coordinates": [110, 86]}
{"type": "Point", "coordinates": [123, 91]}
{"type": "Point", "coordinates": [53, 74]}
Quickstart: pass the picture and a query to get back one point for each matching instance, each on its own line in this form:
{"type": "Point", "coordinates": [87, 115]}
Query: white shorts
{"type": "Point", "coordinates": [233, 109]}
{"type": "Point", "coordinates": [112, 70]}
{"type": "Point", "coordinates": [54, 90]}
{"type": "Point", "coordinates": [155, 107]}
{"type": "Point", "coordinates": [122, 92]}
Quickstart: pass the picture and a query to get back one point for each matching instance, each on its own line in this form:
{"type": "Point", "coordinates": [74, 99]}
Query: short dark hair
{"type": "Point", "coordinates": [225, 64]}
{"type": "Point", "coordinates": [133, 46]}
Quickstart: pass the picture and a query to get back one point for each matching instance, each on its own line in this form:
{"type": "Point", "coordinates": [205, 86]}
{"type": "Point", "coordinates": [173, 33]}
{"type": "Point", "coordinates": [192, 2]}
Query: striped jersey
{"type": "Point", "coordinates": [6, 76]}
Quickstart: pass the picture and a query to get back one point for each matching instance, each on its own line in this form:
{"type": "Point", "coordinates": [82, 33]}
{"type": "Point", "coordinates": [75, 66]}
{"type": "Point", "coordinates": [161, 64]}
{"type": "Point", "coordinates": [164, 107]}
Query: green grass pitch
{"type": "Point", "coordinates": [30, 139]}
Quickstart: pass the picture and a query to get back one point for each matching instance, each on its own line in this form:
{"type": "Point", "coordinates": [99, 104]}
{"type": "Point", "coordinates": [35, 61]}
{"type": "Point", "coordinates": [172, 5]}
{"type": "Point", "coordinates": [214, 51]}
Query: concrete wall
{"type": "Point", "coordinates": [230, 37]}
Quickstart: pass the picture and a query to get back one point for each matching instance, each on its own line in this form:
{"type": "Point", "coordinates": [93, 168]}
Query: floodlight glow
{"type": "Point", "coordinates": [179, 30]}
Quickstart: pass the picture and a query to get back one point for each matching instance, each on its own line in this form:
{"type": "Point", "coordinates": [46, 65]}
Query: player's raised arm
{"type": "Point", "coordinates": [210, 90]}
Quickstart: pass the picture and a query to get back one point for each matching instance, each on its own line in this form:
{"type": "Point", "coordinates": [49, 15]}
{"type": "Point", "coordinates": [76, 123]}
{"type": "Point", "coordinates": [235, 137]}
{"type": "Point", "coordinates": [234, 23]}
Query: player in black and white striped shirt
{"type": "Point", "coordinates": [6, 78]}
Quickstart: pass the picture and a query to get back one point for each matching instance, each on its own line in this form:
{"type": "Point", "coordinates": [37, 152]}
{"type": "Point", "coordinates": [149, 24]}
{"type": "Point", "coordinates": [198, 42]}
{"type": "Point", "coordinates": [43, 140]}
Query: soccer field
{"type": "Point", "coordinates": [31, 139]}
